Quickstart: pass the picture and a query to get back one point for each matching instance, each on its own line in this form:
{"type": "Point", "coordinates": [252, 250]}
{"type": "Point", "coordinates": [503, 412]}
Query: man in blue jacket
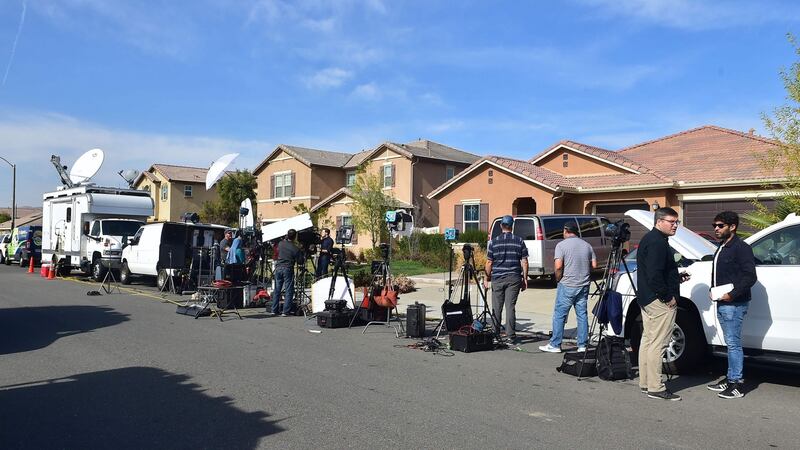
{"type": "Point", "coordinates": [733, 265]}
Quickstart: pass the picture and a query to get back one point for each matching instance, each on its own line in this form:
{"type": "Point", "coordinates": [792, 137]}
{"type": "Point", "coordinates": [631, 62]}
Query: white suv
{"type": "Point", "coordinates": [770, 332]}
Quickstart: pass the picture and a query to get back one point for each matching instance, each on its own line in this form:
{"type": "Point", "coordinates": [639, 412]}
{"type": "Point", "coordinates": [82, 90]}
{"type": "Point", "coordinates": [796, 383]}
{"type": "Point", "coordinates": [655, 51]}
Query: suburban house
{"type": "Point", "coordinates": [175, 190]}
{"type": "Point", "coordinates": [698, 172]}
{"type": "Point", "coordinates": [321, 180]}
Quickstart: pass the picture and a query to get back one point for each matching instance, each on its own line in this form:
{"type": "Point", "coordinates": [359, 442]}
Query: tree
{"type": "Point", "coordinates": [4, 217]}
{"type": "Point", "coordinates": [232, 189]}
{"type": "Point", "coordinates": [784, 127]}
{"type": "Point", "coordinates": [319, 217]}
{"type": "Point", "coordinates": [370, 205]}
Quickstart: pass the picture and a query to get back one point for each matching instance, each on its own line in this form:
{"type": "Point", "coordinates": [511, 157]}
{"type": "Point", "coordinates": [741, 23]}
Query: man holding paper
{"type": "Point", "coordinates": [732, 276]}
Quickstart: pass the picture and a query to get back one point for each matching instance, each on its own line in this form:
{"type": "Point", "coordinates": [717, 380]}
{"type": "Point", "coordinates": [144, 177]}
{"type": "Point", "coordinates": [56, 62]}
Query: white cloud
{"type": "Point", "coordinates": [700, 15]}
{"type": "Point", "coordinates": [369, 91]}
{"type": "Point", "coordinates": [328, 78]}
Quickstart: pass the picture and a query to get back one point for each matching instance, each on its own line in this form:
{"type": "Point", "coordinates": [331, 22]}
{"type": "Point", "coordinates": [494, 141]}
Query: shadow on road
{"type": "Point", "coordinates": [26, 329]}
{"type": "Point", "coordinates": [135, 407]}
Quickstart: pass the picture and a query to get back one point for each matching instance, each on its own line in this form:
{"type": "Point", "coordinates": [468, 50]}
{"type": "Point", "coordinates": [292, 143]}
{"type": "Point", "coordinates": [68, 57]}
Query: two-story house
{"type": "Point", "coordinates": [175, 190]}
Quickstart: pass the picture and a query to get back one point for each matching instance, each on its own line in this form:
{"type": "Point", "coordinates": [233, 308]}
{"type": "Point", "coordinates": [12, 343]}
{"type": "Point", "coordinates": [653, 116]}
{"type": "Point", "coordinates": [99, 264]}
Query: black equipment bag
{"type": "Point", "coordinates": [335, 319]}
{"type": "Point", "coordinates": [415, 320]}
{"type": "Point", "coordinates": [335, 305]}
{"type": "Point", "coordinates": [468, 340]}
{"type": "Point", "coordinates": [613, 360]}
{"type": "Point", "coordinates": [230, 298]}
{"type": "Point", "coordinates": [192, 310]}
{"type": "Point", "coordinates": [576, 365]}
{"type": "Point", "coordinates": [456, 315]}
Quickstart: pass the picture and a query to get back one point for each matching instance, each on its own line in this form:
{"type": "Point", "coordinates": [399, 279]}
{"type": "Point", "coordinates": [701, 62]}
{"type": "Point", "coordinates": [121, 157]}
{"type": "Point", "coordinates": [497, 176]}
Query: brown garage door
{"type": "Point", "coordinates": [616, 212]}
{"type": "Point", "coordinates": [698, 216]}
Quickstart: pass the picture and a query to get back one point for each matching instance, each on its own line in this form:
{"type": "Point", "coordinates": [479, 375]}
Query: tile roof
{"type": "Point", "coordinates": [308, 156]}
{"type": "Point", "coordinates": [540, 174]}
{"type": "Point", "coordinates": [706, 154]}
{"type": "Point", "coordinates": [357, 159]}
{"type": "Point", "coordinates": [181, 173]}
{"type": "Point", "coordinates": [424, 148]}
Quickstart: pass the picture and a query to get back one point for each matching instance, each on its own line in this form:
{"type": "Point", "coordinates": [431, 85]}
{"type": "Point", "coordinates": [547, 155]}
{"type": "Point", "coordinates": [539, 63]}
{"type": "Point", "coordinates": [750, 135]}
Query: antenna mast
{"type": "Point", "coordinates": [62, 171]}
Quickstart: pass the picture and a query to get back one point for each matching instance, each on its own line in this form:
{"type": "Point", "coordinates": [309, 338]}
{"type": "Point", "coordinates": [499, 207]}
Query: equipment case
{"type": "Point", "coordinates": [574, 363]}
{"type": "Point", "coordinates": [472, 342]}
{"type": "Point", "coordinates": [335, 319]}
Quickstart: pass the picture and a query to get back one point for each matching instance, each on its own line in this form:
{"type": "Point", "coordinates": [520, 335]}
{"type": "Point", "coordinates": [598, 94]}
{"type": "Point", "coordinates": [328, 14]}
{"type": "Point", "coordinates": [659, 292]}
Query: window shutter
{"type": "Point", "coordinates": [338, 222]}
{"type": "Point", "coordinates": [292, 176]}
{"type": "Point", "coordinates": [355, 237]}
{"type": "Point", "coordinates": [272, 186]}
{"type": "Point", "coordinates": [393, 176]}
{"type": "Point", "coordinates": [458, 221]}
{"type": "Point", "coordinates": [484, 218]}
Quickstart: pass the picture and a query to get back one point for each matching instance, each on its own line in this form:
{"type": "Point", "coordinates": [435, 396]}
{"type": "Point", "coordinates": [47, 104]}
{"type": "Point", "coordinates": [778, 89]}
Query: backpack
{"type": "Point", "coordinates": [579, 364]}
{"type": "Point", "coordinates": [613, 361]}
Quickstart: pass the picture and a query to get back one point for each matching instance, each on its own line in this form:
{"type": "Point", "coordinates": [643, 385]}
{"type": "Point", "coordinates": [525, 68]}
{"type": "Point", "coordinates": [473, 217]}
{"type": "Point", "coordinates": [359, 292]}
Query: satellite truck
{"type": "Point", "coordinates": [84, 226]}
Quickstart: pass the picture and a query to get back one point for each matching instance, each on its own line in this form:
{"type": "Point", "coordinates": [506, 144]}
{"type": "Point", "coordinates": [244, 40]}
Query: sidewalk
{"type": "Point", "coordinates": [534, 305]}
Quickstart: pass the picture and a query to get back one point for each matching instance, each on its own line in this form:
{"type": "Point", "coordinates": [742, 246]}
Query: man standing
{"type": "Point", "coordinates": [225, 245]}
{"type": "Point", "coordinates": [574, 261]}
{"type": "Point", "coordinates": [733, 264]}
{"type": "Point", "coordinates": [658, 288]}
{"type": "Point", "coordinates": [288, 254]}
{"type": "Point", "coordinates": [325, 248]}
{"type": "Point", "coordinates": [507, 265]}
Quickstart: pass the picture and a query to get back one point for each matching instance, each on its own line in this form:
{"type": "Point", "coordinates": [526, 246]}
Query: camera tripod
{"type": "Point", "coordinates": [463, 308]}
{"type": "Point", "coordinates": [301, 297]}
{"type": "Point", "coordinates": [381, 280]}
{"type": "Point", "coordinates": [339, 267]}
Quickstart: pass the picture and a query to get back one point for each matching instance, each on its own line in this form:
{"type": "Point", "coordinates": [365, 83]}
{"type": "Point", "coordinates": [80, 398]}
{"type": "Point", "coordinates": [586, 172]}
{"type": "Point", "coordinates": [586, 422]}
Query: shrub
{"type": "Point", "coordinates": [362, 277]}
{"type": "Point", "coordinates": [403, 283]}
{"type": "Point", "coordinates": [479, 237]}
{"type": "Point", "coordinates": [480, 259]}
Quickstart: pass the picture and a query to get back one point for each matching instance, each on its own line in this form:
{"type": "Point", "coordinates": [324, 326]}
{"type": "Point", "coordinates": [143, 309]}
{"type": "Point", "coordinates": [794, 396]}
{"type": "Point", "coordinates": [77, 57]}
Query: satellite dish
{"type": "Point", "coordinates": [218, 168]}
{"type": "Point", "coordinates": [129, 175]}
{"type": "Point", "coordinates": [246, 219]}
{"type": "Point", "coordinates": [86, 166]}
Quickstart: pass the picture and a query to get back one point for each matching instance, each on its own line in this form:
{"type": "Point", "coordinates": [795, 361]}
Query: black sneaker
{"type": "Point", "coordinates": [734, 390]}
{"type": "Point", "coordinates": [718, 387]}
{"type": "Point", "coordinates": [665, 395]}
{"type": "Point", "coordinates": [644, 390]}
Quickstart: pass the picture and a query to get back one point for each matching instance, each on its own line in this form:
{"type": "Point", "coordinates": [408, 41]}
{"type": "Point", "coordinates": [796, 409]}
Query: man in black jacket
{"type": "Point", "coordinates": [658, 289]}
{"type": "Point", "coordinates": [734, 265]}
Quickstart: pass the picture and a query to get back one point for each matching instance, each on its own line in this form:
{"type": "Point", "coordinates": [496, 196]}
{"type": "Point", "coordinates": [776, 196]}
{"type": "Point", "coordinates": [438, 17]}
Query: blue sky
{"type": "Point", "coordinates": [183, 82]}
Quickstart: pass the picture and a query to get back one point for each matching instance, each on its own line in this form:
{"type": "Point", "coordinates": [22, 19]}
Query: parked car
{"type": "Point", "coordinates": [541, 233]}
{"type": "Point", "coordinates": [26, 243]}
{"type": "Point", "coordinates": [5, 239]}
{"type": "Point", "coordinates": [770, 332]}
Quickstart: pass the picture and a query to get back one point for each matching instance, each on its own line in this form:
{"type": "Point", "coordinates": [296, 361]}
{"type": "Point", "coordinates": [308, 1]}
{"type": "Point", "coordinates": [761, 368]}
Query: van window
{"type": "Point", "coordinates": [95, 229]}
{"type": "Point", "coordinates": [554, 226]}
{"type": "Point", "coordinates": [496, 229]}
{"type": "Point", "coordinates": [589, 226]}
{"type": "Point", "coordinates": [69, 215]}
{"type": "Point", "coordinates": [525, 229]}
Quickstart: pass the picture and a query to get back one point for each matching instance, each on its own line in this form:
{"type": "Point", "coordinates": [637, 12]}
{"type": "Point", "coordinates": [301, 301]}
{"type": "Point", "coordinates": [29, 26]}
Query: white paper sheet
{"type": "Point", "coordinates": [718, 291]}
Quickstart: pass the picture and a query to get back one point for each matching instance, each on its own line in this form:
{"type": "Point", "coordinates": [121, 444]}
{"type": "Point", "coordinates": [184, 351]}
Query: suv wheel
{"type": "Point", "coordinates": [686, 345]}
{"type": "Point", "coordinates": [162, 280]}
{"type": "Point", "coordinates": [98, 270]}
{"type": "Point", "coordinates": [22, 262]}
{"type": "Point", "coordinates": [125, 274]}
{"type": "Point", "coordinates": [2, 258]}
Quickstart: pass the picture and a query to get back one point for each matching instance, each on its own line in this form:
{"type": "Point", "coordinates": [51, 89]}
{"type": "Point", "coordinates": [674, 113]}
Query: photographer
{"type": "Point", "coordinates": [325, 248]}
{"type": "Point", "coordinates": [288, 255]}
{"type": "Point", "coordinates": [507, 265]}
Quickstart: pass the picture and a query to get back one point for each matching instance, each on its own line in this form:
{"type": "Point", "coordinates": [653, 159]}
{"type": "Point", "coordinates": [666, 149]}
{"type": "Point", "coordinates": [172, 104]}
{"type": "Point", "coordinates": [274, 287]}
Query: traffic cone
{"type": "Point", "coordinates": [30, 267]}
{"type": "Point", "coordinates": [43, 270]}
{"type": "Point", "coordinates": [51, 272]}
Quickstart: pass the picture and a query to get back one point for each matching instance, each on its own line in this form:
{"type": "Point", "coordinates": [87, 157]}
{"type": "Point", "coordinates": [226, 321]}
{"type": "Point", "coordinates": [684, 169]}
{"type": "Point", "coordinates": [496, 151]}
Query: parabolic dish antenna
{"type": "Point", "coordinates": [218, 168]}
{"type": "Point", "coordinates": [86, 166]}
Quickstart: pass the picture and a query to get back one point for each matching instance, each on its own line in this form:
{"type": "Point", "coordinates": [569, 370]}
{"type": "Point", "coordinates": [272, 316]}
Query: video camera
{"type": "Point", "coordinates": [309, 240]}
{"type": "Point", "coordinates": [399, 222]}
{"type": "Point", "coordinates": [344, 235]}
{"type": "Point", "coordinates": [619, 232]}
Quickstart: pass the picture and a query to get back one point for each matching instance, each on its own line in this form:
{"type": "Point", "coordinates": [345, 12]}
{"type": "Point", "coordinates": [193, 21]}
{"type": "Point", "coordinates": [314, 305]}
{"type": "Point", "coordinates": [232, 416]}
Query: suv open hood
{"type": "Point", "coordinates": [685, 241]}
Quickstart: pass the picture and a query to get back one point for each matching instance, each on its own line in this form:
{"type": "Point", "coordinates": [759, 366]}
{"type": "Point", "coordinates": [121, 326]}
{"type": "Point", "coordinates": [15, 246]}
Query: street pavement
{"type": "Point", "coordinates": [123, 370]}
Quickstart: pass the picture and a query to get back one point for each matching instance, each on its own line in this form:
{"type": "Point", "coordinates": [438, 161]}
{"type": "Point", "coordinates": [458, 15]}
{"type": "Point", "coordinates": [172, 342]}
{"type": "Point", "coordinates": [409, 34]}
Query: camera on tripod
{"type": "Point", "coordinates": [384, 251]}
{"type": "Point", "coordinates": [468, 252]}
{"type": "Point", "coordinates": [619, 232]}
{"type": "Point", "coordinates": [344, 235]}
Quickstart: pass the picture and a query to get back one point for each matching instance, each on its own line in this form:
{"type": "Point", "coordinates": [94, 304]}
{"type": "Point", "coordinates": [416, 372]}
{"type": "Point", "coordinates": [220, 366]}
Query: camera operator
{"type": "Point", "coordinates": [288, 255]}
{"type": "Point", "coordinates": [507, 265]}
{"type": "Point", "coordinates": [325, 248]}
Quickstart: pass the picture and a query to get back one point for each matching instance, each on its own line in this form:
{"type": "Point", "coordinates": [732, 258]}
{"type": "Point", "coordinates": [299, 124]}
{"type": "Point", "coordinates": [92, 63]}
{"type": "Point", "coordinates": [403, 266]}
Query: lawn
{"type": "Point", "coordinates": [411, 268]}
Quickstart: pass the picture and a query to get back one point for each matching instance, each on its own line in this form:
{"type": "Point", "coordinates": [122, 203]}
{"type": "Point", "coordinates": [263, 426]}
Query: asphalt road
{"type": "Point", "coordinates": [125, 371]}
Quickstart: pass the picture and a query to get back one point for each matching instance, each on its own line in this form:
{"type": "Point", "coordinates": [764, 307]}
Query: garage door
{"type": "Point", "coordinates": [698, 216]}
{"type": "Point", "coordinates": [616, 211]}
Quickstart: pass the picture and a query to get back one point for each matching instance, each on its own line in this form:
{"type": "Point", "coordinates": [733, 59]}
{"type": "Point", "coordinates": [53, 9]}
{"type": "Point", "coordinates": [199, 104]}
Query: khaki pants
{"type": "Point", "coordinates": [658, 320]}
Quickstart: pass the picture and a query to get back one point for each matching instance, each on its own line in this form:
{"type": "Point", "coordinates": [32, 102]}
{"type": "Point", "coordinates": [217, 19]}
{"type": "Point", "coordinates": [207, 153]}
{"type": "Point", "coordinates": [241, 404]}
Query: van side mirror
{"type": "Point", "coordinates": [85, 228]}
{"type": "Point", "coordinates": [131, 240]}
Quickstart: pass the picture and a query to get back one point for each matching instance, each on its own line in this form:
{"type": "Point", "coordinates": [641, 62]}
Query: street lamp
{"type": "Point", "coordinates": [13, 193]}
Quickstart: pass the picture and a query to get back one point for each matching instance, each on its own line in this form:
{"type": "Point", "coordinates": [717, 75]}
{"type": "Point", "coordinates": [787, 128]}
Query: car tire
{"type": "Point", "coordinates": [125, 274]}
{"type": "Point", "coordinates": [62, 269]}
{"type": "Point", "coordinates": [22, 262]}
{"type": "Point", "coordinates": [686, 345]}
{"type": "Point", "coordinates": [2, 258]}
{"type": "Point", "coordinates": [162, 279]}
{"type": "Point", "coordinates": [7, 259]}
{"type": "Point", "coordinates": [98, 270]}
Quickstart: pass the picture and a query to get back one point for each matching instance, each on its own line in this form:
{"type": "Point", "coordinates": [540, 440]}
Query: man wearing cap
{"type": "Point", "coordinates": [574, 261]}
{"type": "Point", "coordinates": [507, 266]}
{"type": "Point", "coordinates": [225, 245]}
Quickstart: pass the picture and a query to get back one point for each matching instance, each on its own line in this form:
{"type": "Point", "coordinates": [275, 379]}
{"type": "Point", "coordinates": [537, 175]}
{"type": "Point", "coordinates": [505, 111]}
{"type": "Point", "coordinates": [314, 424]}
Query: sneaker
{"type": "Point", "coordinates": [644, 390]}
{"type": "Point", "coordinates": [718, 387]}
{"type": "Point", "coordinates": [284, 315]}
{"type": "Point", "coordinates": [734, 390]}
{"type": "Point", "coordinates": [665, 395]}
{"type": "Point", "coordinates": [550, 349]}
{"type": "Point", "coordinates": [581, 349]}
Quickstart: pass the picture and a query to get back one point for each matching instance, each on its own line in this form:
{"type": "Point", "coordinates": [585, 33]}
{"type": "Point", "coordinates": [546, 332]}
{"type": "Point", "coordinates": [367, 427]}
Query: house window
{"type": "Point", "coordinates": [565, 159]}
{"type": "Point", "coordinates": [350, 178]}
{"type": "Point", "coordinates": [472, 217]}
{"type": "Point", "coordinates": [388, 171]}
{"type": "Point", "coordinates": [146, 188]}
{"type": "Point", "coordinates": [283, 185]}
{"type": "Point", "coordinates": [450, 172]}
{"type": "Point", "coordinates": [187, 190]}
{"type": "Point", "coordinates": [164, 192]}
{"type": "Point", "coordinates": [347, 221]}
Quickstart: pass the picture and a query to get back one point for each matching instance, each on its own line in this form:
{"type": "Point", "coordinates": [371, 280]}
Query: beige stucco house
{"type": "Point", "coordinates": [175, 190]}
{"type": "Point", "coordinates": [698, 172]}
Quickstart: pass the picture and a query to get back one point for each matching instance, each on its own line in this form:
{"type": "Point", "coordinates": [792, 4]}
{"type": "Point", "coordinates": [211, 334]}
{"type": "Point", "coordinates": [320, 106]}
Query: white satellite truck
{"type": "Point", "coordinates": [85, 226]}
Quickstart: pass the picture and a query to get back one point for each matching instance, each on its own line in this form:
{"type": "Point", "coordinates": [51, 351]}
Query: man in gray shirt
{"type": "Point", "coordinates": [288, 255]}
{"type": "Point", "coordinates": [574, 261]}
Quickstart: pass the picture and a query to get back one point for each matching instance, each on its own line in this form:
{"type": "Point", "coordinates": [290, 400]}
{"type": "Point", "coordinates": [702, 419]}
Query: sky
{"type": "Point", "coordinates": [184, 82]}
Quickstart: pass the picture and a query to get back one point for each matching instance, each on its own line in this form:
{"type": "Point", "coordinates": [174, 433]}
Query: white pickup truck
{"type": "Point", "coordinates": [770, 332]}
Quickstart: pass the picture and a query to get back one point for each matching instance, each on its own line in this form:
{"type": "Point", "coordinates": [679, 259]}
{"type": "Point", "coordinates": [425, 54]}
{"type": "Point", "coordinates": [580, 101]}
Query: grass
{"type": "Point", "coordinates": [411, 268]}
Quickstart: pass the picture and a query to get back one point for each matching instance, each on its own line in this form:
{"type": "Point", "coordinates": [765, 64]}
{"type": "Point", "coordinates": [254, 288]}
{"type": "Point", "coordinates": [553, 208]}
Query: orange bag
{"type": "Point", "coordinates": [387, 299]}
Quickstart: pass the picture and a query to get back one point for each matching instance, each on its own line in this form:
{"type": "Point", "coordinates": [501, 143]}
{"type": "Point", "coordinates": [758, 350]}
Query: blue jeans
{"type": "Point", "coordinates": [567, 297]}
{"type": "Point", "coordinates": [730, 319]}
{"type": "Point", "coordinates": [283, 278]}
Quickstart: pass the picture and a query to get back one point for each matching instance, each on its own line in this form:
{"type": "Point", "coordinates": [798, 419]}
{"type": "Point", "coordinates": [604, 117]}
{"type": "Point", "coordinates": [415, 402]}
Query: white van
{"type": "Point", "coordinates": [541, 233]}
{"type": "Point", "coordinates": [161, 249]}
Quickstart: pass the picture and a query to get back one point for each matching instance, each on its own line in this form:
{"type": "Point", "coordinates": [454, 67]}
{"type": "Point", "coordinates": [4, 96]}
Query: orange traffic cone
{"type": "Point", "coordinates": [30, 267]}
{"type": "Point", "coordinates": [51, 272]}
{"type": "Point", "coordinates": [43, 270]}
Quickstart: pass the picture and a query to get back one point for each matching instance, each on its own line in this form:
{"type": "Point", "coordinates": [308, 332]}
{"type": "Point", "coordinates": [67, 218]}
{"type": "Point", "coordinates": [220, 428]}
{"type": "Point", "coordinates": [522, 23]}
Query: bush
{"type": "Point", "coordinates": [479, 237]}
{"type": "Point", "coordinates": [480, 259]}
{"type": "Point", "coordinates": [362, 277]}
{"type": "Point", "coordinates": [403, 283]}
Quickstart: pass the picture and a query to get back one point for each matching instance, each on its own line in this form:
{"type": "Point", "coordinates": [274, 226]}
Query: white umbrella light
{"type": "Point", "coordinates": [218, 168]}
